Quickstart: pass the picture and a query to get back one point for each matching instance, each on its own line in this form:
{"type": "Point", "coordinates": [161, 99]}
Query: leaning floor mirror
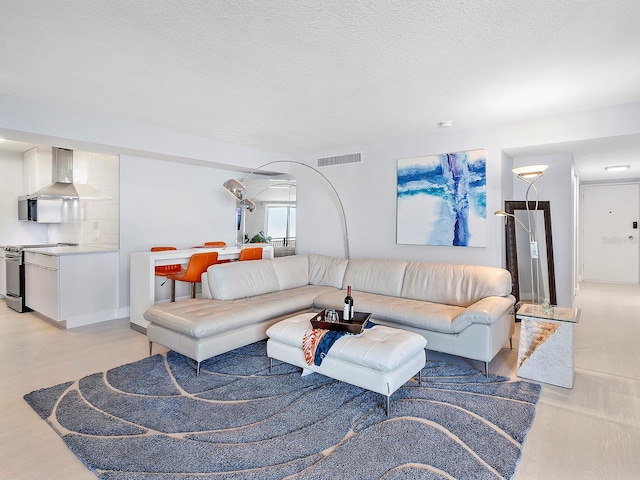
{"type": "Point", "coordinates": [533, 278]}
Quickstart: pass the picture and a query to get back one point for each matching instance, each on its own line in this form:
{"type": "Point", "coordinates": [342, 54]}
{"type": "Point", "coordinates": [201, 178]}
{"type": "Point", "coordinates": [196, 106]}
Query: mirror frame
{"type": "Point", "coordinates": [512, 251]}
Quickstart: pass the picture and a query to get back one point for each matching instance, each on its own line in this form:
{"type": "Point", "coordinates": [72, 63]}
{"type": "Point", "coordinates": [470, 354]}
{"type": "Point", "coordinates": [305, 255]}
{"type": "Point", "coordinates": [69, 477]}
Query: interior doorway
{"type": "Point", "coordinates": [610, 216]}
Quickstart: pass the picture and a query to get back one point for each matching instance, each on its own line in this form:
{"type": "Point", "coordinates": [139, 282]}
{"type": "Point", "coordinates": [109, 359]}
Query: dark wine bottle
{"type": "Point", "coordinates": [347, 314]}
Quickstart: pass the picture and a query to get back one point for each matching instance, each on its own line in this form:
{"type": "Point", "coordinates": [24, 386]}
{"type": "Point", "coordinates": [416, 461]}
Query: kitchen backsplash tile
{"type": "Point", "coordinates": [92, 221]}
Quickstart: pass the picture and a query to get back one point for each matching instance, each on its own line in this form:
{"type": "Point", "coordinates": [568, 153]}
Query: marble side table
{"type": "Point", "coordinates": [545, 351]}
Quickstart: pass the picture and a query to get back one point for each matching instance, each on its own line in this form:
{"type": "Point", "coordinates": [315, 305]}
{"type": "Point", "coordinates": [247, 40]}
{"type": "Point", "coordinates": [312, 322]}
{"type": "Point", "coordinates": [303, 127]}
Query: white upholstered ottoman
{"type": "Point", "coordinates": [380, 359]}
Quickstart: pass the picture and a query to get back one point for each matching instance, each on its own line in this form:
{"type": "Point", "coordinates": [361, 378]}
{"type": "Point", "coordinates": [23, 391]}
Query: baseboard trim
{"type": "Point", "coordinates": [137, 328]}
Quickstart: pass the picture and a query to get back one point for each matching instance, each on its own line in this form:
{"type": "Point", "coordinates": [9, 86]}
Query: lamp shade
{"type": "Point", "coordinates": [530, 171]}
{"type": "Point", "coordinates": [502, 213]}
{"type": "Point", "coordinates": [235, 188]}
{"type": "Point", "coordinates": [249, 205]}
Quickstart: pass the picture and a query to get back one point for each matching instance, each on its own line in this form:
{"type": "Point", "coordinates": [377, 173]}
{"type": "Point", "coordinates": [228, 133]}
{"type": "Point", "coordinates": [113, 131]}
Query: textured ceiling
{"type": "Point", "coordinates": [292, 77]}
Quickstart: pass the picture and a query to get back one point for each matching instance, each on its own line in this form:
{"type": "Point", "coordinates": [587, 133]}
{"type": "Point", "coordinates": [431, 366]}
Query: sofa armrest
{"type": "Point", "coordinates": [487, 310]}
{"type": "Point", "coordinates": [206, 288]}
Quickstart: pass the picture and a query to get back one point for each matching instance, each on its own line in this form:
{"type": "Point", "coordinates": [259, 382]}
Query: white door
{"type": "Point", "coordinates": [610, 235]}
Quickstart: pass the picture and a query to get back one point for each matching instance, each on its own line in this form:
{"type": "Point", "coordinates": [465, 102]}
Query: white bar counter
{"type": "Point", "coordinates": [143, 278]}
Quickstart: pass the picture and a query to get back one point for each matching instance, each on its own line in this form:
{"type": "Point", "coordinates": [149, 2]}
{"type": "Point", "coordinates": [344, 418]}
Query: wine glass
{"type": "Point", "coordinates": [331, 316]}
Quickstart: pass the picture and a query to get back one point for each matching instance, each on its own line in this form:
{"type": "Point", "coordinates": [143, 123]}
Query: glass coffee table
{"type": "Point", "coordinates": [546, 348]}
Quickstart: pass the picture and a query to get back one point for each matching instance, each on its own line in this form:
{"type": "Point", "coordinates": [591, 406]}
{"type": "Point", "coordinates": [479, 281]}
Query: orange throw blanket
{"type": "Point", "coordinates": [310, 343]}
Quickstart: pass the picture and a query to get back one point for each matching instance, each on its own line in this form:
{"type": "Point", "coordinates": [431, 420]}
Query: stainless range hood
{"type": "Point", "coordinates": [62, 177]}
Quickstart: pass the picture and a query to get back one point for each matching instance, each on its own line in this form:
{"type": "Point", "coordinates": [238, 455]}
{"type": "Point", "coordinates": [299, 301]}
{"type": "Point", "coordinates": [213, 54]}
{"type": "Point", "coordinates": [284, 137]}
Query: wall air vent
{"type": "Point", "coordinates": [339, 160]}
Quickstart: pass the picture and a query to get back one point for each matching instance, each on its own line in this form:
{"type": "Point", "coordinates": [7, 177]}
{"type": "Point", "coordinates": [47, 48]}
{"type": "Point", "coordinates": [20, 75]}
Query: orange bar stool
{"type": "Point", "coordinates": [198, 264]}
{"type": "Point", "coordinates": [215, 244]}
{"type": "Point", "coordinates": [164, 270]}
{"type": "Point", "coordinates": [251, 253]}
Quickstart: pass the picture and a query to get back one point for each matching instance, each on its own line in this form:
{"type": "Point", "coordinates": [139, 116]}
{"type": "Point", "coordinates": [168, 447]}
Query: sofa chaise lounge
{"type": "Point", "coordinates": [464, 310]}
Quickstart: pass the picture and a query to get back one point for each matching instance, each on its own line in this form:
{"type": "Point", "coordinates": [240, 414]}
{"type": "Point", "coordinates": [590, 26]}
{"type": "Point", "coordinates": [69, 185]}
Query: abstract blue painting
{"type": "Point", "coordinates": [442, 200]}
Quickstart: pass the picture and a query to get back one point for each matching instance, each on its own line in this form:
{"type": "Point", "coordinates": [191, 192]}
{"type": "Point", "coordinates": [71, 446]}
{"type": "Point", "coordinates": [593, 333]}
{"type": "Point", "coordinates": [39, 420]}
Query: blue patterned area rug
{"type": "Point", "coordinates": [154, 419]}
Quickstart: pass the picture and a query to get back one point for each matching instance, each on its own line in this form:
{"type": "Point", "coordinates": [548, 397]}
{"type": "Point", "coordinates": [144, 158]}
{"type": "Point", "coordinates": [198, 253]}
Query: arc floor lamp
{"type": "Point", "coordinates": [529, 174]}
{"type": "Point", "coordinates": [236, 188]}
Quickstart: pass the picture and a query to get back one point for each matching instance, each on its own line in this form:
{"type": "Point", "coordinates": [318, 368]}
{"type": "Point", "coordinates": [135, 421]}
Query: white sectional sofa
{"type": "Point", "coordinates": [463, 310]}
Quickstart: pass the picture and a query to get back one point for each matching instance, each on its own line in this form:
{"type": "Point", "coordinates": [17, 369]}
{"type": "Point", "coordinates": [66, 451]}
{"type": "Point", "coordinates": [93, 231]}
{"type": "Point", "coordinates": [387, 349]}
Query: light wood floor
{"type": "Point", "coordinates": [589, 432]}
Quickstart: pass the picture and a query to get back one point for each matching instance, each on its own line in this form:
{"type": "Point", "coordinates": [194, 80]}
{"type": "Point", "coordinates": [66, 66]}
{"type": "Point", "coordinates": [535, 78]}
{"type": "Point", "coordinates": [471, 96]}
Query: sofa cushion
{"type": "Point", "coordinates": [375, 276]}
{"type": "Point", "coordinates": [230, 281]}
{"type": "Point", "coordinates": [201, 318]}
{"type": "Point", "coordinates": [328, 271]}
{"type": "Point", "coordinates": [452, 284]}
{"type": "Point", "coordinates": [401, 311]}
{"type": "Point", "coordinates": [291, 271]}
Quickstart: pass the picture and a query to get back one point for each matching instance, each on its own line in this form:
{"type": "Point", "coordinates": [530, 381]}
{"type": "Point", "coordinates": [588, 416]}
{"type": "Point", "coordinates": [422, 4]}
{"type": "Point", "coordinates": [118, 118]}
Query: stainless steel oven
{"type": "Point", "coordinates": [15, 280]}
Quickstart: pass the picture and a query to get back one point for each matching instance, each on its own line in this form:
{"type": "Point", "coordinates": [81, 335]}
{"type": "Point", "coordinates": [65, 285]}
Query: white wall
{"type": "Point", "coordinates": [37, 122]}
{"type": "Point", "coordinates": [12, 231]}
{"type": "Point", "coordinates": [368, 189]}
{"type": "Point", "coordinates": [96, 222]}
{"type": "Point", "coordinates": [164, 202]}
{"type": "Point", "coordinates": [170, 204]}
{"type": "Point", "coordinates": [97, 219]}
{"type": "Point", "coordinates": [556, 186]}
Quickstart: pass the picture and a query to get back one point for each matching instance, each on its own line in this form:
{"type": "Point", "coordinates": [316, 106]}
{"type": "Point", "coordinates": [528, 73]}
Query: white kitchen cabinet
{"type": "Point", "coordinates": [37, 168]}
{"type": "Point", "coordinates": [41, 288]}
{"type": "Point", "coordinates": [74, 288]}
{"type": "Point", "coordinates": [3, 273]}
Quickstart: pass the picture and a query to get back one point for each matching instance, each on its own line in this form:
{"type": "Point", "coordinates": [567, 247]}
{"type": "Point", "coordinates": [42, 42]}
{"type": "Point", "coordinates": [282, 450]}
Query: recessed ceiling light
{"type": "Point", "coordinates": [616, 168]}
{"type": "Point", "coordinates": [445, 124]}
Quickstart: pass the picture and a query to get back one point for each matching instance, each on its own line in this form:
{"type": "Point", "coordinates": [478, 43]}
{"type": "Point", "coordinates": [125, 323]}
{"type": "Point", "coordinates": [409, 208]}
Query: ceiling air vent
{"type": "Point", "coordinates": [339, 160]}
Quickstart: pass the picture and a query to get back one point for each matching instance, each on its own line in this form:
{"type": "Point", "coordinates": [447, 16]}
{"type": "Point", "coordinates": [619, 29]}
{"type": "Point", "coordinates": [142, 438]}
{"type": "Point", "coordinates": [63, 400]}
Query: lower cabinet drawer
{"type": "Point", "coordinates": [41, 290]}
{"type": "Point", "coordinates": [49, 261]}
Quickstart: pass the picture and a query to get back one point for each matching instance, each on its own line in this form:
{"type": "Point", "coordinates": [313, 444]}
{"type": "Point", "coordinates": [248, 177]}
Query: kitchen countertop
{"type": "Point", "coordinates": [79, 250]}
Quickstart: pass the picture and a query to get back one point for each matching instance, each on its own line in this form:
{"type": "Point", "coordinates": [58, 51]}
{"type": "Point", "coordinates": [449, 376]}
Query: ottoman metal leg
{"type": "Point", "coordinates": [388, 405]}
